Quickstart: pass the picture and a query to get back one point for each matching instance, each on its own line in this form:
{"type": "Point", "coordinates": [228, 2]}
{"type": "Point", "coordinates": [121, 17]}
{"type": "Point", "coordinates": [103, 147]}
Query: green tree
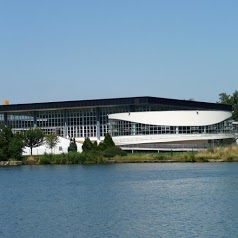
{"type": "Point", "coordinates": [11, 145]}
{"type": "Point", "coordinates": [231, 100]}
{"type": "Point", "coordinates": [108, 142]}
{"type": "Point", "coordinates": [72, 146]}
{"type": "Point", "coordinates": [5, 137]}
{"type": "Point", "coordinates": [51, 140]}
{"type": "Point", "coordinates": [16, 146]}
{"type": "Point", "coordinates": [88, 145]}
{"type": "Point", "coordinates": [33, 137]}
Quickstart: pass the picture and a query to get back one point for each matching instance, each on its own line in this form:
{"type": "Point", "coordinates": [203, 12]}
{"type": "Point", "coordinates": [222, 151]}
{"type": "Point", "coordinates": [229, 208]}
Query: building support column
{"type": "Point", "coordinates": [35, 119]}
{"type": "Point", "coordinates": [65, 124]}
{"type": "Point", "coordinates": [5, 119]}
{"type": "Point", "coordinates": [133, 128]}
{"type": "Point", "coordinates": [98, 125]}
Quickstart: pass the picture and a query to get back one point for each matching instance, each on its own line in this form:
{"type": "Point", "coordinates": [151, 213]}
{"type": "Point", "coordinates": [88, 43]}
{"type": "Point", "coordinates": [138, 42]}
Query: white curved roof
{"type": "Point", "coordinates": [174, 118]}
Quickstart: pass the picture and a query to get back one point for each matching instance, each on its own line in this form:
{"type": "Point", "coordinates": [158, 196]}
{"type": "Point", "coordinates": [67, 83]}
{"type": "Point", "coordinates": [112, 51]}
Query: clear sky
{"type": "Point", "coordinates": [56, 50]}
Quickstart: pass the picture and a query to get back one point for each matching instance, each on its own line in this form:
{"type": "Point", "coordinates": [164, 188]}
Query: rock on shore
{"type": "Point", "coordinates": [10, 163]}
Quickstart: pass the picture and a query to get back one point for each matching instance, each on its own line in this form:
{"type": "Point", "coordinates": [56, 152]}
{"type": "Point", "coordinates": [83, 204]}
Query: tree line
{"type": "Point", "coordinates": [12, 145]}
{"type": "Point", "coordinates": [230, 100]}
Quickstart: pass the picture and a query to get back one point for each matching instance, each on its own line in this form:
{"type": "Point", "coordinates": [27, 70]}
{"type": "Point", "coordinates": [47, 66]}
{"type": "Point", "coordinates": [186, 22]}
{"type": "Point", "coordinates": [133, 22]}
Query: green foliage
{"type": "Point", "coordinates": [231, 100]}
{"type": "Point", "coordinates": [16, 146]}
{"type": "Point", "coordinates": [108, 142]}
{"type": "Point", "coordinates": [51, 140]}
{"type": "Point", "coordinates": [11, 145]}
{"type": "Point", "coordinates": [95, 153]}
{"type": "Point", "coordinates": [75, 158]}
{"type": "Point", "coordinates": [72, 146]}
{"type": "Point", "coordinates": [88, 145]}
{"type": "Point", "coordinates": [5, 137]}
{"type": "Point", "coordinates": [70, 158]}
{"type": "Point", "coordinates": [33, 137]}
{"type": "Point", "coordinates": [45, 159]}
{"type": "Point", "coordinates": [113, 151]}
{"type": "Point", "coordinates": [92, 157]}
{"type": "Point", "coordinates": [101, 146]}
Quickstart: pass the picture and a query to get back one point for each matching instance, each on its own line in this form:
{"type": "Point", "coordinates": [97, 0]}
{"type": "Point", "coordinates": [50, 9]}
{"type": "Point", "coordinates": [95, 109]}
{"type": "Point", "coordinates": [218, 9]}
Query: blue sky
{"type": "Point", "coordinates": [55, 50]}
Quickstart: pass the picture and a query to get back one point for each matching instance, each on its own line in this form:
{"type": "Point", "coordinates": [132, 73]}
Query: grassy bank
{"type": "Point", "coordinates": [227, 154]}
{"type": "Point", "coordinates": [69, 158]}
{"type": "Point", "coordinates": [222, 154]}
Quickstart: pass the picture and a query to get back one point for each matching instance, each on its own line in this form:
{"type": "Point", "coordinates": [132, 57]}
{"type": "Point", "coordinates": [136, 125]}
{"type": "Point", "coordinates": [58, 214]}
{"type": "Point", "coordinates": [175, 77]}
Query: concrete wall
{"type": "Point", "coordinates": [163, 138]}
{"type": "Point", "coordinates": [174, 118]}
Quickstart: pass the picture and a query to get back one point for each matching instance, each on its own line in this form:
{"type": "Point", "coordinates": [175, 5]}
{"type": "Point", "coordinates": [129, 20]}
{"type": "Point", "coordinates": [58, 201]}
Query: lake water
{"type": "Point", "coordinates": [122, 200]}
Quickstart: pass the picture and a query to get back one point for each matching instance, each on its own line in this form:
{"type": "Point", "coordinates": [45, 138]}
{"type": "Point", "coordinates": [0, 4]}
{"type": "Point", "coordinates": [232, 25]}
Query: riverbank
{"type": "Point", "coordinates": [218, 154]}
{"type": "Point", "coordinates": [10, 163]}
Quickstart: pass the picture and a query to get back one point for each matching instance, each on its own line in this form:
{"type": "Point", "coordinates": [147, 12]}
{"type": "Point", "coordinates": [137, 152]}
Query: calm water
{"type": "Point", "coordinates": [128, 200]}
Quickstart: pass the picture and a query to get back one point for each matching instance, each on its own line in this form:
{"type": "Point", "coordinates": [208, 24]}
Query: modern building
{"type": "Point", "coordinates": [133, 122]}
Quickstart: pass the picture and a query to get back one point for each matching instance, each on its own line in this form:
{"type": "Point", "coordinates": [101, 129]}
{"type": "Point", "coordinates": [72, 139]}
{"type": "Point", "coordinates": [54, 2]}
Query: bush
{"type": "Point", "coordinates": [16, 147]}
{"type": "Point", "coordinates": [113, 151]}
{"type": "Point", "coordinates": [88, 145]}
{"type": "Point", "coordinates": [11, 145]}
{"type": "Point", "coordinates": [45, 159]}
{"type": "Point", "coordinates": [72, 146]}
{"type": "Point", "coordinates": [230, 159]}
{"type": "Point", "coordinates": [108, 142]}
{"type": "Point", "coordinates": [92, 157]}
{"type": "Point", "coordinates": [75, 158]}
{"type": "Point", "coordinates": [59, 159]}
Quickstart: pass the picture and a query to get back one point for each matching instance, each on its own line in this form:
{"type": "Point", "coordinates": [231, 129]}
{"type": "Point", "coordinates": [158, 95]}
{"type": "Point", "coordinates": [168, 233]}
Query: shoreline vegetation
{"type": "Point", "coordinates": [217, 154]}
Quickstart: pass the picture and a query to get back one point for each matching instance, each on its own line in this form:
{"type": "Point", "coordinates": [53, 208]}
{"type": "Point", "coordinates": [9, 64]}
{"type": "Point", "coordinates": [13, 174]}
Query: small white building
{"type": "Point", "coordinates": [61, 147]}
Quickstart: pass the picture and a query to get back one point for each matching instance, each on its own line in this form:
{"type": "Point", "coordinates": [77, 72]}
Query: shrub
{"type": "Point", "coordinates": [45, 159]}
{"type": "Point", "coordinates": [75, 158]}
{"type": "Point", "coordinates": [72, 146]}
{"type": "Point", "coordinates": [113, 151]}
{"type": "Point", "coordinates": [15, 147]}
{"type": "Point", "coordinates": [108, 142]}
{"type": "Point", "coordinates": [230, 159]}
{"type": "Point", "coordinates": [88, 145]}
{"type": "Point", "coordinates": [11, 145]}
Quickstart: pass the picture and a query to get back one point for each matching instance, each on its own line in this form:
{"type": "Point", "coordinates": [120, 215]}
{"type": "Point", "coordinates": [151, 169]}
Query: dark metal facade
{"type": "Point", "coordinates": [153, 101]}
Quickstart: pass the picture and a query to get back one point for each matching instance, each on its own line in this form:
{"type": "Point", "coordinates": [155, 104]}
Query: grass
{"type": "Point", "coordinates": [226, 154]}
{"type": "Point", "coordinates": [159, 157]}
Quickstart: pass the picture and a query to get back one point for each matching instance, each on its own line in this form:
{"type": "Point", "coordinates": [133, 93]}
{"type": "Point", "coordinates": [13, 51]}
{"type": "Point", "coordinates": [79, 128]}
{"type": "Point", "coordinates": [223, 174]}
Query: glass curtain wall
{"type": "Point", "coordinates": [126, 128]}
{"type": "Point", "coordinates": [1, 119]}
{"type": "Point", "coordinates": [71, 123]}
{"type": "Point", "coordinates": [21, 121]}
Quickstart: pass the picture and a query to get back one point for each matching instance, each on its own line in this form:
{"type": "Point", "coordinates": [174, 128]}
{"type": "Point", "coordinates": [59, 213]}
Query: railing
{"type": "Point", "coordinates": [146, 138]}
{"type": "Point", "coordinates": [169, 146]}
